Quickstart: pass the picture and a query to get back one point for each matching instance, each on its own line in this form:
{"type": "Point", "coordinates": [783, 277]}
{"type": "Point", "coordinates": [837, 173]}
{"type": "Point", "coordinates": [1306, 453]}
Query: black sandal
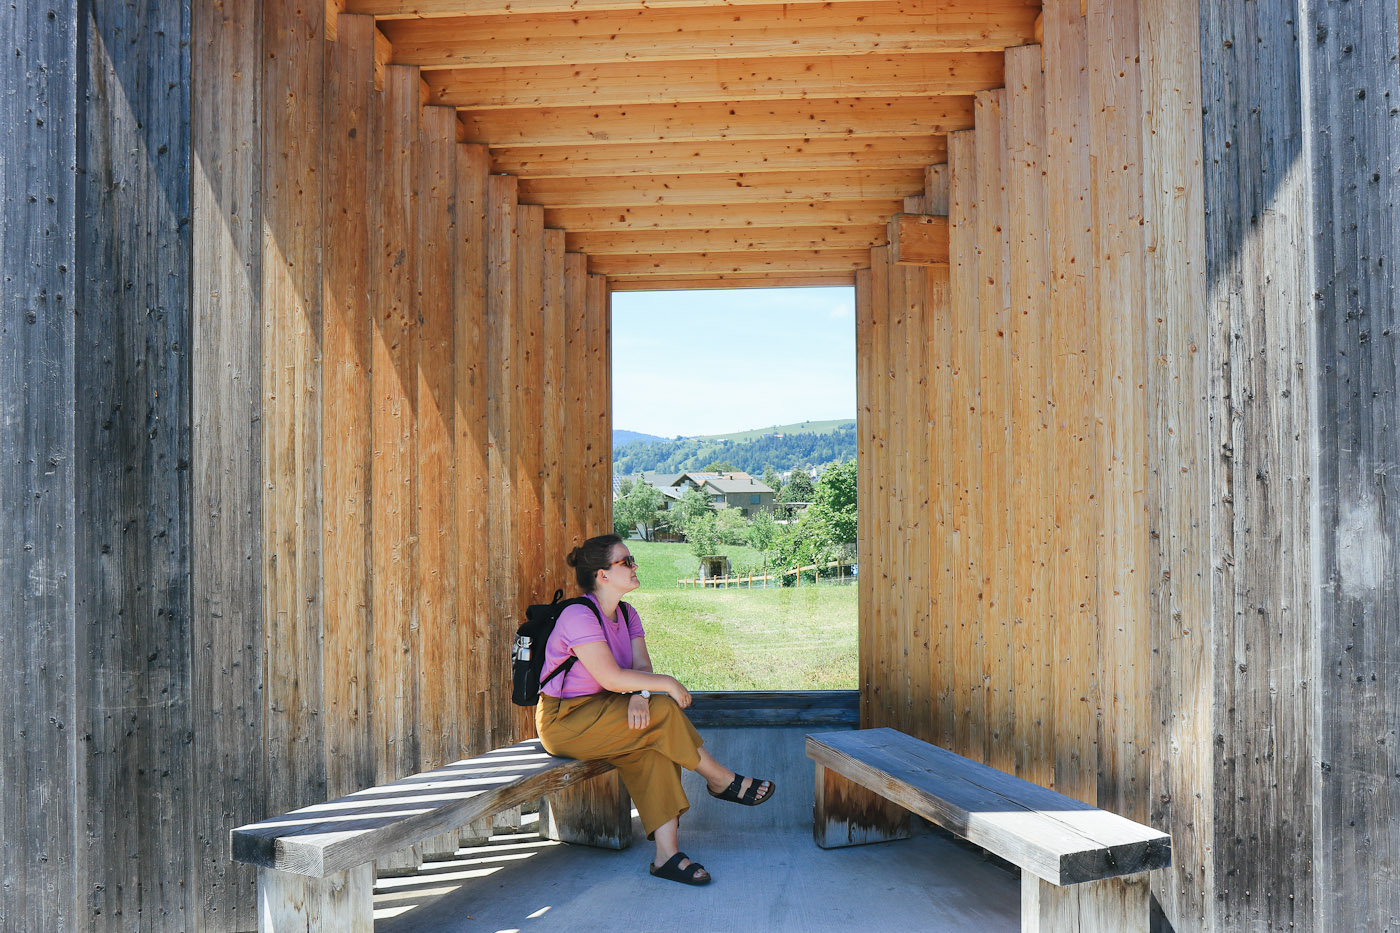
{"type": "Point", "coordinates": [750, 797]}
{"type": "Point", "coordinates": [671, 871]}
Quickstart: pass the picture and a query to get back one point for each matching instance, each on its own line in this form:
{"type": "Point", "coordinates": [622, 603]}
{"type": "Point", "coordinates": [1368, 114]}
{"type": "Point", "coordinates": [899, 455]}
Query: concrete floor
{"type": "Point", "coordinates": [777, 880]}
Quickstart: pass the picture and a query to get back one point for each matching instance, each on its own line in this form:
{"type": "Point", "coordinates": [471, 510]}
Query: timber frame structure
{"type": "Point", "coordinates": [304, 378]}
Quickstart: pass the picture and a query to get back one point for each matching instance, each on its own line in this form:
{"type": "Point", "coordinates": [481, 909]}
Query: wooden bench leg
{"type": "Point", "coordinates": [596, 812]}
{"type": "Point", "coordinates": [847, 814]}
{"type": "Point", "coordinates": [1119, 905]}
{"type": "Point", "coordinates": [340, 902]}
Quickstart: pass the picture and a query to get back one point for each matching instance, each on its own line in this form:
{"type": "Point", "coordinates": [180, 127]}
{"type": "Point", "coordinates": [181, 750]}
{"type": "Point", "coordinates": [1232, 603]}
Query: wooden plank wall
{"type": "Point", "coordinates": [1355, 170]}
{"type": "Point", "coordinates": [375, 441]}
{"type": "Point", "coordinates": [1051, 647]}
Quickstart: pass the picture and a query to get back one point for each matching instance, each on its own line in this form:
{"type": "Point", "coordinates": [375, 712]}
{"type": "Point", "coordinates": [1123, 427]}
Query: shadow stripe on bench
{"type": "Point", "coordinates": [1054, 837]}
{"type": "Point", "coordinates": [361, 827]}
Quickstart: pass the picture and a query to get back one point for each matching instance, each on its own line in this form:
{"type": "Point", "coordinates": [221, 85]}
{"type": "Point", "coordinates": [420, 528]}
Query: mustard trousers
{"type": "Point", "coordinates": [649, 760]}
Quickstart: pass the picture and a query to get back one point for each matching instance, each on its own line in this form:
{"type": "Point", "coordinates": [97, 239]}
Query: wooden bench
{"type": "Point", "coordinates": [1082, 867]}
{"type": "Point", "coordinates": [316, 865]}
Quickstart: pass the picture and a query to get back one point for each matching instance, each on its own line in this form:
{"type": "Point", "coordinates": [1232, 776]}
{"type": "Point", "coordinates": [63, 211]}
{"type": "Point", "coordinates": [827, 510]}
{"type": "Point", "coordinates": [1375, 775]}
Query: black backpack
{"type": "Point", "coordinates": [527, 654]}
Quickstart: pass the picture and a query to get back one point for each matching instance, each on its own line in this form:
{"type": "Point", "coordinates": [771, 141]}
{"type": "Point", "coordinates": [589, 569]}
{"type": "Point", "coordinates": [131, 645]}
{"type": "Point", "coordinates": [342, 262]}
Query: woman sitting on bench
{"type": "Point", "coordinates": [611, 706]}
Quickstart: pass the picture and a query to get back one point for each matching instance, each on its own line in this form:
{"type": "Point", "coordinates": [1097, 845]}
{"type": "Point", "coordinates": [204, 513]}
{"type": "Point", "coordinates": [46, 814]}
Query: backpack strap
{"type": "Point", "coordinates": [568, 662]}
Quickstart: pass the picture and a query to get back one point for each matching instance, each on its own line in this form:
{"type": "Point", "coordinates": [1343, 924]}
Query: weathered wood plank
{"type": "Point", "coordinates": [471, 365]}
{"type": "Point", "coordinates": [714, 216]}
{"type": "Point", "coordinates": [1116, 285]}
{"type": "Point", "coordinates": [847, 814]}
{"type": "Point", "coordinates": [595, 812]}
{"type": "Point", "coordinates": [968, 703]}
{"type": "Point", "coordinates": [865, 532]}
{"type": "Point", "coordinates": [226, 482]}
{"type": "Point", "coordinates": [994, 469]}
{"type": "Point", "coordinates": [711, 122]}
{"type": "Point", "coordinates": [343, 901]}
{"type": "Point", "coordinates": [502, 252]}
{"type": "Point", "coordinates": [394, 386]}
{"type": "Point", "coordinates": [918, 239]}
{"type": "Point", "coordinates": [730, 280]}
{"type": "Point", "coordinates": [1354, 159]}
{"type": "Point", "coordinates": [291, 411]}
{"type": "Point", "coordinates": [1075, 347]}
{"type": "Point", "coordinates": [725, 156]}
{"type": "Point", "coordinates": [718, 33]}
{"type": "Point", "coordinates": [1033, 537]}
{"type": "Point", "coordinates": [575, 380]}
{"type": "Point", "coordinates": [1180, 497]}
{"type": "Point", "coordinates": [880, 710]}
{"type": "Point", "coordinates": [629, 83]}
{"type": "Point", "coordinates": [526, 415]}
{"type": "Point", "coordinates": [676, 265]}
{"type": "Point", "coordinates": [346, 424]}
{"type": "Point", "coordinates": [555, 573]}
{"type": "Point", "coordinates": [737, 188]}
{"type": "Point", "coordinates": [433, 236]}
{"type": "Point", "coordinates": [1117, 904]}
{"type": "Point", "coordinates": [1045, 833]}
{"type": "Point", "coordinates": [599, 409]}
{"type": "Point", "coordinates": [39, 473]}
{"type": "Point", "coordinates": [728, 240]}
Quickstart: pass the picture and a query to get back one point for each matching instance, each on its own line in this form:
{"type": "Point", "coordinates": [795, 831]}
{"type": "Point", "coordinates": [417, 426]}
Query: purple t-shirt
{"type": "Point", "coordinates": [578, 625]}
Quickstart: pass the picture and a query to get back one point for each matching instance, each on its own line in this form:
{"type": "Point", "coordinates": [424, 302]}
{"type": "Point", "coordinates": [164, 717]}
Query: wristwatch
{"type": "Point", "coordinates": [646, 694]}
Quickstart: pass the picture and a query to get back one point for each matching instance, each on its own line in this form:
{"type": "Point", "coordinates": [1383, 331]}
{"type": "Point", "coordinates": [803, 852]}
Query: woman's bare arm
{"type": "Point", "coordinates": [598, 660]}
{"type": "Point", "coordinates": [641, 660]}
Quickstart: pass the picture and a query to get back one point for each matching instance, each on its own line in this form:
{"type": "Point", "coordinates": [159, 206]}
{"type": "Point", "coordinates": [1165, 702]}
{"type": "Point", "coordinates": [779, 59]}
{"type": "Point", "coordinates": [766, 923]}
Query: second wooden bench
{"type": "Point", "coordinates": [1082, 867]}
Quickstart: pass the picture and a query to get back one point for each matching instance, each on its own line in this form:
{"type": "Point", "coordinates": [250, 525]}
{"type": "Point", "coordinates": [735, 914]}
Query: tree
{"type": "Point", "coordinates": [834, 501]}
{"type": "Point", "coordinates": [771, 479]}
{"type": "Point", "coordinates": [733, 528]}
{"type": "Point", "coordinates": [638, 509]}
{"type": "Point", "coordinates": [798, 488]}
{"type": "Point", "coordinates": [691, 506]}
{"type": "Point", "coordinates": [703, 535]}
{"type": "Point", "coordinates": [719, 466]}
{"type": "Point", "coordinates": [763, 532]}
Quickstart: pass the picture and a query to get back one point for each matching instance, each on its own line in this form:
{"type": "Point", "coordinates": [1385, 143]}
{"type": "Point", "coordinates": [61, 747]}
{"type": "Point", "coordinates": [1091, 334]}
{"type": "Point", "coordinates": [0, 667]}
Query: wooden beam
{"type": "Point", "coordinates": [711, 33]}
{"type": "Point", "coordinates": [918, 239]}
{"type": "Point", "coordinates": [849, 154]}
{"type": "Point", "coordinates": [680, 264]}
{"type": "Point", "coordinates": [662, 283]}
{"type": "Point", "coordinates": [725, 239]}
{"type": "Point", "coordinates": [442, 9]}
{"type": "Point", "coordinates": [652, 123]}
{"type": "Point", "coordinates": [631, 82]}
{"type": "Point", "coordinates": [707, 216]}
{"type": "Point", "coordinates": [732, 188]}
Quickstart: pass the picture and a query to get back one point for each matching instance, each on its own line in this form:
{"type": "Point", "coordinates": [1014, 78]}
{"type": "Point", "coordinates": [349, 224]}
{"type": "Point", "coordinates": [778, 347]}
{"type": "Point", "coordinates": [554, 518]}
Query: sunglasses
{"type": "Point", "coordinates": [628, 561]}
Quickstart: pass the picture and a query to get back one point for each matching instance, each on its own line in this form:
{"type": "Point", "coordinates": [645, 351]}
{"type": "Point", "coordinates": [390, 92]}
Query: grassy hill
{"type": "Point", "coordinates": [802, 427]}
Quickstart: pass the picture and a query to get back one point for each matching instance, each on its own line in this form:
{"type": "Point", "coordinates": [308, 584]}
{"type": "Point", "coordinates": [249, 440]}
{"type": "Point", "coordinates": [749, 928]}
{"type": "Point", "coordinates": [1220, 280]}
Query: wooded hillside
{"type": "Point", "coordinates": [786, 452]}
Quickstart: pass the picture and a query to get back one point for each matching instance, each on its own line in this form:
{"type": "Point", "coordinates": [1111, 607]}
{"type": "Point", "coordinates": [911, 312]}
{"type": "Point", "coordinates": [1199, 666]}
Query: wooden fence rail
{"type": "Point", "coordinates": [747, 580]}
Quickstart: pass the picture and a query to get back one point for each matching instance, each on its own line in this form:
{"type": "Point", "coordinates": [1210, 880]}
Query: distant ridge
{"type": "Point", "coordinates": [631, 437]}
{"type": "Point", "coordinates": [781, 446]}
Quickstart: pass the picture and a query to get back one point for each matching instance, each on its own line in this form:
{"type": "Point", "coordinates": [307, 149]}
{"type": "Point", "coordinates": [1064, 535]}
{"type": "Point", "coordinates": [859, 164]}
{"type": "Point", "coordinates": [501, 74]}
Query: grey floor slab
{"type": "Point", "coordinates": [772, 880]}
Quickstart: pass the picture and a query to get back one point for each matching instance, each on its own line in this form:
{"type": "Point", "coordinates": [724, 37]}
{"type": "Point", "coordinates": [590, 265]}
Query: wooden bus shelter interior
{"type": "Point", "coordinates": [306, 389]}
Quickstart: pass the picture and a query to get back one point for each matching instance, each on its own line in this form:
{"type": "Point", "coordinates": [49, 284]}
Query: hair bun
{"type": "Point", "coordinates": [572, 559]}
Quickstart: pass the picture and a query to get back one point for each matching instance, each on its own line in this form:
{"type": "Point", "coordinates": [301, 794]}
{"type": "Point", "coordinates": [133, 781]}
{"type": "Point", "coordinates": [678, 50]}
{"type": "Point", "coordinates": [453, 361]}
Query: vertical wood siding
{"type": "Point", "coordinates": [227, 485]}
{"type": "Point", "coordinates": [1353, 86]}
{"type": "Point", "coordinates": [43, 721]}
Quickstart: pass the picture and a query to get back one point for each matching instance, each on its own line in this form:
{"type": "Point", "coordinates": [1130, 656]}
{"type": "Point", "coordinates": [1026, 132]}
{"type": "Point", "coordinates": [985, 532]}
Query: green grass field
{"type": "Point", "coordinates": [799, 638]}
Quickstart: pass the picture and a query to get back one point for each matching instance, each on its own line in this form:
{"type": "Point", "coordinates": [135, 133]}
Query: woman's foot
{"type": "Point", "coordinates": [677, 867]}
{"type": "Point", "coordinates": [748, 791]}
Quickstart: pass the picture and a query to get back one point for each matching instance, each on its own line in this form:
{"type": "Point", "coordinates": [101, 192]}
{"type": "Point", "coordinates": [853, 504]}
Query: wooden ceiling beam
{"type": "Point", "coordinates": [678, 264]}
{"type": "Point", "coordinates": [658, 283]}
{"type": "Point", "coordinates": [653, 123]}
{"type": "Point", "coordinates": [628, 83]}
{"type": "Point", "coordinates": [846, 153]}
{"type": "Point", "coordinates": [725, 240]}
{"type": "Point", "coordinates": [712, 216]}
{"type": "Point", "coordinates": [709, 33]}
{"type": "Point", "coordinates": [741, 188]}
{"type": "Point", "coordinates": [444, 9]}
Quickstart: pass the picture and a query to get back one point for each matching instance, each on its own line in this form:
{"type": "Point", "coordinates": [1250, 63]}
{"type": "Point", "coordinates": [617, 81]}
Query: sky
{"type": "Point", "coordinates": [713, 362]}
